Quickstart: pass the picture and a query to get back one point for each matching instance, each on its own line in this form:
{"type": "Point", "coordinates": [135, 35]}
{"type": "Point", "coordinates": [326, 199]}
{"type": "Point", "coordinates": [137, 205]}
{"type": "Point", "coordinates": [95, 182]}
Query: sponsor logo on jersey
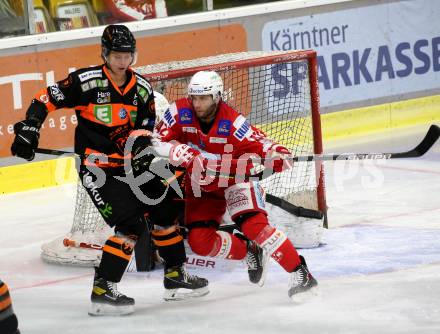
{"type": "Point", "coordinates": [218, 140]}
{"type": "Point", "coordinates": [89, 75]}
{"type": "Point", "coordinates": [237, 199]}
{"type": "Point", "coordinates": [85, 87]}
{"type": "Point", "coordinates": [135, 101]}
{"type": "Point", "coordinates": [102, 83]}
{"type": "Point", "coordinates": [103, 97]}
{"type": "Point", "coordinates": [56, 93]}
{"type": "Point", "coordinates": [224, 127]}
{"type": "Point", "coordinates": [133, 115]}
{"type": "Point", "coordinates": [242, 131]}
{"type": "Point", "coordinates": [93, 84]}
{"type": "Point", "coordinates": [142, 92]}
{"type": "Point", "coordinates": [168, 118]}
{"type": "Point", "coordinates": [189, 129]}
{"type": "Point", "coordinates": [185, 116]}
{"type": "Point", "coordinates": [144, 83]}
{"type": "Point", "coordinates": [103, 113]}
{"type": "Point", "coordinates": [122, 113]}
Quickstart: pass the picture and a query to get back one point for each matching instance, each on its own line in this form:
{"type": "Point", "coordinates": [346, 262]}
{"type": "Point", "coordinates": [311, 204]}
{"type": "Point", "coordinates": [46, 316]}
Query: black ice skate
{"type": "Point", "coordinates": [256, 260]}
{"type": "Point", "coordinates": [107, 300]}
{"type": "Point", "coordinates": [302, 284]}
{"type": "Point", "coordinates": [176, 278]}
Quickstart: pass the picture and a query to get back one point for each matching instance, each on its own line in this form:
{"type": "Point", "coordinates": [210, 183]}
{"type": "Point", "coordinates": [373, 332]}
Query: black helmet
{"type": "Point", "coordinates": [117, 38]}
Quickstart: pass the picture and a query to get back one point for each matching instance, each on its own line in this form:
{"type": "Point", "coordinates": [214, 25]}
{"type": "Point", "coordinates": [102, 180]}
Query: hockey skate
{"type": "Point", "coordinates": [107, 300]}
{"type": "Point", "coordinates": [176, 278]}
{"type": "Point", "coordinates": [257, 260]}
{"type": "Point", "coordinates": [302, 284]}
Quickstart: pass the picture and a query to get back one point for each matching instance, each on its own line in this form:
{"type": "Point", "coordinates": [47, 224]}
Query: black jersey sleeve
{"type": "Point", "coordinates": [146, 113]}
{"type": "Point", "coordinates": [61, 94]}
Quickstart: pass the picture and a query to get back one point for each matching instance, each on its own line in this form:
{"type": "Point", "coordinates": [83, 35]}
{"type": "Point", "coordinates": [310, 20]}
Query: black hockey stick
{"type": "Point", "coordinates": [428, 141]}
{"type": "Point", "coordinates": [92, 156]}
{"type": "Point", "coordinates": [52, 152]}
{"type": "Point", "coordinates": [298, 211]}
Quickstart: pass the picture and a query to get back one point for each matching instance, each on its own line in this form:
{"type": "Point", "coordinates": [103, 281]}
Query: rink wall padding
{"type": "Point", "coordinates": [37, 175]}
{"type": "Point", "coordinates": [379, 118]}
{"type": "Point", "coordinates": [339, 125]}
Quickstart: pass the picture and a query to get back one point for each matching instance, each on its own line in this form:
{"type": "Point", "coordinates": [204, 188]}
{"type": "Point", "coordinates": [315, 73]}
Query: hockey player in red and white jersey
{"type": "Point", "coordinates": [202, 133]}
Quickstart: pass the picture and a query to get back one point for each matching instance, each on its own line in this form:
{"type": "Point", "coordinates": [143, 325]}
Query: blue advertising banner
{"type": "Point", "coordinates": [380, 50]}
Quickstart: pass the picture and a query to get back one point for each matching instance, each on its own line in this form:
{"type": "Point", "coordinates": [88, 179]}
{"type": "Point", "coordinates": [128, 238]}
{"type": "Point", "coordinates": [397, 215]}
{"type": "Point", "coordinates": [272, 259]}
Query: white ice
{"type": "Point", "coordinates": [378, 268]}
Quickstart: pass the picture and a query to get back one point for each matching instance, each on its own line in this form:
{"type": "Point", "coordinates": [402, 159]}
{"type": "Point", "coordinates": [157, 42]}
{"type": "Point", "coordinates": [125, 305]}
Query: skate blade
{"type": "Point", "coordinates": [306, 296]}
{"type": "Point", "coordinates": [266, 258]}
{"type": "Point", "coordinates": [175, 294]}
{"type": "Point", "coordinates": [102, 309]}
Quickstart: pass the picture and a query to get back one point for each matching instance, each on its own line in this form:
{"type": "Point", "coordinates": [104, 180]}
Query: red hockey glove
{"type": "Point", "coordinates": [279, 158]}
{"type": "Point", "coordinates": [182, 155]}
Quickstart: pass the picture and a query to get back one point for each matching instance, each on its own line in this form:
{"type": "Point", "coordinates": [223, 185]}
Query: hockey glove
{"type": "Point", "coordinates": [141, 161]}
{"type": "Point", "coordinates": [197, 167]}
{"type": "Point", "coordinates": [182, 155]}
{"type": "Point", "coordinates": [278, 158]}
{"type": "Point", "coordinates": [27, 134]}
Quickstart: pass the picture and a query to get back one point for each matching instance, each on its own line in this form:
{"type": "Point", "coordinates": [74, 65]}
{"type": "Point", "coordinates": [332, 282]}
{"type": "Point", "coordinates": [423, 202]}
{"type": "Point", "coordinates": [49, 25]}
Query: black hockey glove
{"type": "Point", "coordinates": [27, 134]}
{"type": "Point", "coordinates": [141, 161]}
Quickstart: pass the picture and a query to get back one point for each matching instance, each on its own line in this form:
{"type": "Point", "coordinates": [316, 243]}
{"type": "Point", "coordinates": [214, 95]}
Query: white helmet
{"type": "Point", "coordinates": [206, 83]}
{"type": "Point", "coordinates": [161, 104]}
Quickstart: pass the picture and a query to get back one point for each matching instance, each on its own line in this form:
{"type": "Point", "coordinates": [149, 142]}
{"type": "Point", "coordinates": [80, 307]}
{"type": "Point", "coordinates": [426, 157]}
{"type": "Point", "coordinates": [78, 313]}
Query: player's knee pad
{"type": "Point", "coordinates": [243, 198]}
{"type": "Point", "coordinates": [208, 241]}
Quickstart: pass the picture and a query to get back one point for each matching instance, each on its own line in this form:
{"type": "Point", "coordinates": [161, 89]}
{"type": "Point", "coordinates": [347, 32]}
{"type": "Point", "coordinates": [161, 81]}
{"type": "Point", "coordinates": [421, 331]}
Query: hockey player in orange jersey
{"type": "Point", "coordinates": [115, 106]}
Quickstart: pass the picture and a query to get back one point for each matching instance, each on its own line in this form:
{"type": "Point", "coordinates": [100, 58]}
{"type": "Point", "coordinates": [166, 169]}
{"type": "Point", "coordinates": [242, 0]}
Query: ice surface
{"type": "Point", "coordinates": [378, 267]}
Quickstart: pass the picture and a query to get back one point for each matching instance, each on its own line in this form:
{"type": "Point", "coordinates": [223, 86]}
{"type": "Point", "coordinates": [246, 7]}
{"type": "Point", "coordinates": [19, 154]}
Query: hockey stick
{"type": "Point", "coordinates": [92, 156]}
{"type": "Point", "coordinates": [298, 211]}
{"type": "Point", "coordinates": [428, 141]}
{"type": "Point", "coordinates": [72, 243]}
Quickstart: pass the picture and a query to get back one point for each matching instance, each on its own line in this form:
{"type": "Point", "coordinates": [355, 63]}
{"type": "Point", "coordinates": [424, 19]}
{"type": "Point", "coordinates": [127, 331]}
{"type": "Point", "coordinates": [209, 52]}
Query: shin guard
{"type": "Point", "coordinates": [169, 243]}
{"type": "Point", "coordinates": [116, 255]}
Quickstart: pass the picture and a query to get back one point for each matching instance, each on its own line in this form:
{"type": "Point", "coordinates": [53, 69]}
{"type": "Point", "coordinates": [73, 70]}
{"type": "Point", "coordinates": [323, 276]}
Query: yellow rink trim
{"type": "Point", "coordinates": [337, 125]}
{"type": "Point", "coordinates": [36, 175]}
{"type": "Point", "coordinates": [379, 118]}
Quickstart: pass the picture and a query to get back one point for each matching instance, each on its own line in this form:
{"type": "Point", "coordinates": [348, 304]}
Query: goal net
{"type": "Point", "coordinates": [276, 91]}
